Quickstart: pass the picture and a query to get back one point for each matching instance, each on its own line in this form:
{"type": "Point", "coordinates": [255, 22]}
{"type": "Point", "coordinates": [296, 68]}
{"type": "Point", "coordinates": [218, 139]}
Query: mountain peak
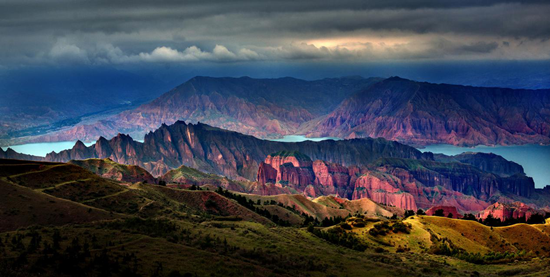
{"type": "Point", "coordinates": [79, 145]}
{"type": "Point", "coordinates": [178, 122]}
{"type": "Point", "coordinates": [397, 78]}
{"type": "Point", "coordinates": [123, 137]}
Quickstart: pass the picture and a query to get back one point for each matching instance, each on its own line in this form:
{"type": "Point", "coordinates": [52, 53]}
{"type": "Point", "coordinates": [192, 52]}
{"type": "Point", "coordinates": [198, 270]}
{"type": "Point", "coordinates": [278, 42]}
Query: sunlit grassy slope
{"type": "Point", "coordinates": [146, 230]}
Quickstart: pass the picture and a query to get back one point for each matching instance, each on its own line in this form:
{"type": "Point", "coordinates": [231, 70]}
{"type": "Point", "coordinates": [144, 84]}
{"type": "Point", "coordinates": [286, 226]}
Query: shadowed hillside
{"type": "Point", "coordinates": [62, 219]}
{"type": "Point", "coordinates": [420, 113]}
{"type": "Point", "coordinates": [259, 107]}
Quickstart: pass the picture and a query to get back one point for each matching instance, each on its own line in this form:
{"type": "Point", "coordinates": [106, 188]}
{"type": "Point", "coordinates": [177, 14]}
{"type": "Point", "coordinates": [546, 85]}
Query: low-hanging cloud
{"type": "Point", "coordinates": [171, 31]}
{"type": "Point", "coordinates": [191, 54]}
{"type": "Point", "coordinates": [68, 53]}
{"type": "Point", "coordinates": [63, 51]}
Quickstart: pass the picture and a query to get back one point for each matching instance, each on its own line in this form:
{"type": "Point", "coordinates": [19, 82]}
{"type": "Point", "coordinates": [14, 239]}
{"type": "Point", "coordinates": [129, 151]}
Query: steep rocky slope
{"type": "Point", "coordinates": [422, 113]}
{"type": "Point", "coordinates": [486, 162]}
{"type": "Point", "coordinates": [225, 152]}
{"type": "Point", "coordinates": [12, 154]}
{"type": "Point", "coordinates": [404, 183]}
{"type": "Point", "coordinates": [386, 172]}
{"type": "Point", "coordinates": [504, 211]}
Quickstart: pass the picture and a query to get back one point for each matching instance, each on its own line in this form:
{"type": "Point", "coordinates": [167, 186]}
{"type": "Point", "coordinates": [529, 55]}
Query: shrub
{"type": "Point", "coordinates": [469, 217]}
{"type": "Point", "coordinates": [346, 226]}
{"type": "Point", "coordinates": [409, 213]}
{"type": "Point", "coordinates": [342, 238]}
{"type": "Point", "coordinates": [401, 227]}
{"type": "Point", "coordinates": [536, 219]}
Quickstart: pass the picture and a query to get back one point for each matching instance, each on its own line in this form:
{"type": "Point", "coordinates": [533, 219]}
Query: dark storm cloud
{"type": "Point", "coordinates": [88, 31]}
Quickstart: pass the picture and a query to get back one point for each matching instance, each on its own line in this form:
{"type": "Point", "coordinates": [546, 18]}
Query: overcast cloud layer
{"type": "Point", "coordinates": [128, 32]}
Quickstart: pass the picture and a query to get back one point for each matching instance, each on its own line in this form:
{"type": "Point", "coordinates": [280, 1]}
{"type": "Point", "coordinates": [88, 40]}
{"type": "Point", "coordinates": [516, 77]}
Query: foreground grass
{"type": "Point", "coordinates": [101, 228]}
{"type": "Point", "coordinates": [220, 248]}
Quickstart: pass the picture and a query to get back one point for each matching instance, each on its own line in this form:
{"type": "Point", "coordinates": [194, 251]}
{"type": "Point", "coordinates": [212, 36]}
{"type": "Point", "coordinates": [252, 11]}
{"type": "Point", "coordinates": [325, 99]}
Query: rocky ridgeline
{"type": "Point", "coordinates": [505, 211]}
{"type": "Point", "coordinates": [415, 113]}
{"type": "Point", "coordinates": [223, 152]}
{"type": "Point", "coordinates": [405, 183]}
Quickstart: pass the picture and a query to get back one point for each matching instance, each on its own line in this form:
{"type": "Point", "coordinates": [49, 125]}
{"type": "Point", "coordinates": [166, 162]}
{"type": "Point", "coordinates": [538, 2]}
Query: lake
{"type": "Point", "coordinates": [535, 159]}
{"type": "Point", "coordinates": [299, 138]}
{"type": "Point", "coordinates": [43, 148]}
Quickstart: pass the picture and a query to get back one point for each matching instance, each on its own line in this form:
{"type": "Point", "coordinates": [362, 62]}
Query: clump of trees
{"type": "Point", "coordinates": [469, 217]}
{"type": "Point", "coordinates": [195, 187]}
{"type": "Point", "coordinates": [385, 227]}
{"type": "Point", "coordinates": [249, 204]}
{"type": "Point", "coordinates": [494, 222]}
{"type": "Point", "coordinates": [439, 212]}
{"type": "Point", "coordinates": [533, 219]}
{"type": "Point", "coordinates": [409, 213]}
{"type": "Point", "coordinates": [491, 257]}
{"type": "Point", "coordinates": [43, 256]}
{"type": "Point", "coordinates": [331, 221]}
{"type": "Point", "coordinates": [340, 237]}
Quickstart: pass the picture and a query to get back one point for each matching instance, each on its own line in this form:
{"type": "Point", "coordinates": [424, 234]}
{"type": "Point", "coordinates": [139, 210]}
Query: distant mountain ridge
{"type": "Point", "coordinates": [260, 107]}
{"type": "Point", "coordinates": [415, 113]}
{"type": "Point", "coordinates": [420, 113]}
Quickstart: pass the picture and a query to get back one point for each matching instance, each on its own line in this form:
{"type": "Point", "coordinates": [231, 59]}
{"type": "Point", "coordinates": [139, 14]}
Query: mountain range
{"type": "Point", "coordinates": [224, 152]}
{"type": "Point", "coordinates": [260, 107]}
{"type": "Point", "coordinates": [385, 171]}
{"type": "Point", "coordinates": [415, 113]}
{"type": "Point", "coordinates": [420, 113]}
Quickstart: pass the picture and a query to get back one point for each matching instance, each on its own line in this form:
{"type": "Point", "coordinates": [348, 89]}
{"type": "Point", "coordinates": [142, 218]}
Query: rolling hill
{"type": "Point", "coordinates": [107, 226]}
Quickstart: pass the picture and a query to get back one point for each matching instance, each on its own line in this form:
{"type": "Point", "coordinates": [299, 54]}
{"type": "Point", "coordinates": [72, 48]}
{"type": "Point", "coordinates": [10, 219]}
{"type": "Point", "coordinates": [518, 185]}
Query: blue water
{"type": "Point", "coordinates": [535, 159]}
{"type": "Point", "coordinates": [43, 148]}
{"type": "Point", "coordinates": [299, 138]}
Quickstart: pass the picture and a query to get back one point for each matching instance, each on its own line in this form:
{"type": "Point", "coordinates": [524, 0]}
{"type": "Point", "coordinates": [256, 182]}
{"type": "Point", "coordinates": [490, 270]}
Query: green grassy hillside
{"type": "Point", "coordinates": [61, 220]}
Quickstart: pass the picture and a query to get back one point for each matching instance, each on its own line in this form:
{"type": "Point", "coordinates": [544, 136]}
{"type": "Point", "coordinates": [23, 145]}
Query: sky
{"type": "Point", "coordinates": [137, 33]}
